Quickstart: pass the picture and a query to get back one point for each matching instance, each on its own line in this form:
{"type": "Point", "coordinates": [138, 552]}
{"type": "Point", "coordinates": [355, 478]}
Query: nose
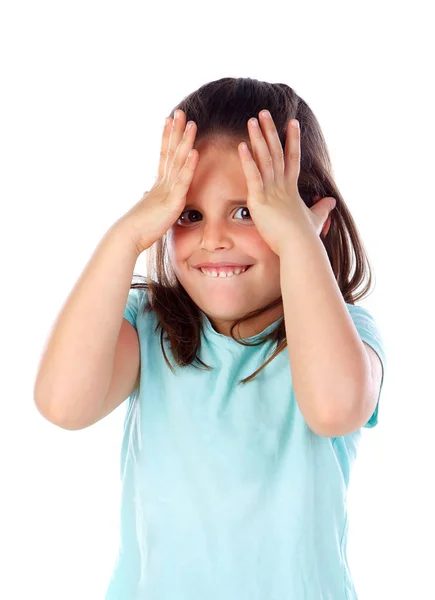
{"type": "Point", "coordinates": [215, 236]}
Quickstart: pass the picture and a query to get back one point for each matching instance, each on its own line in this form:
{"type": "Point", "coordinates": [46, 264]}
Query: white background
{"type": "Point", "coordinates": [86, 87]}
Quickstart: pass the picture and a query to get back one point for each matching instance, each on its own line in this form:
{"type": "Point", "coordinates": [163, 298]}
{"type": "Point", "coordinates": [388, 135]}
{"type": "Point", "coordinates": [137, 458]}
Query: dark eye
{"type": "Point", "coordinates": [185, 212]}
{"type": "Point", "coordinates": [244, 208]}
{"type": "Point", "coordinates": [191, 220]}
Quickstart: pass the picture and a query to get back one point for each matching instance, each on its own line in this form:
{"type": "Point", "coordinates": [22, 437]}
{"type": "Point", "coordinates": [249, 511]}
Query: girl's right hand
{"type": "Point", "coordinates": [159, 208]}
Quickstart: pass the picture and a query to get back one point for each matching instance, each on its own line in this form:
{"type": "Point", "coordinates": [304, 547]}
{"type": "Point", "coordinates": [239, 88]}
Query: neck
{"type": "Point", "coordinates": [248, 328]}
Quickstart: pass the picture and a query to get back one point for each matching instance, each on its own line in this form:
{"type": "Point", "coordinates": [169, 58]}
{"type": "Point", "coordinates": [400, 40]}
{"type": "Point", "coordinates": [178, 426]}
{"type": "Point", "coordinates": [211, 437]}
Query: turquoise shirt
{"type": "Point", "coordinates": [227, 494]}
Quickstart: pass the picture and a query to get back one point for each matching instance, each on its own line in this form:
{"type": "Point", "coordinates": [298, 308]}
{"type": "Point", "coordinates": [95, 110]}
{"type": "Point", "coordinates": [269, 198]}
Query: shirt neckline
{"type": "Point", "coordinates": [228, 339]}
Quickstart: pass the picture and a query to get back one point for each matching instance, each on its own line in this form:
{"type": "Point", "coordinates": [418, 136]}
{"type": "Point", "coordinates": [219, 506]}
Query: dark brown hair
{"type": "Point", "coordinates": [221, 110]}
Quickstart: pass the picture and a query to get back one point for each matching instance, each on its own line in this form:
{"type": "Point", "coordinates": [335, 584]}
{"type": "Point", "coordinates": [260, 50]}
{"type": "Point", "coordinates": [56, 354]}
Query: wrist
{"type": "Point", "coordinates": [124, 232]}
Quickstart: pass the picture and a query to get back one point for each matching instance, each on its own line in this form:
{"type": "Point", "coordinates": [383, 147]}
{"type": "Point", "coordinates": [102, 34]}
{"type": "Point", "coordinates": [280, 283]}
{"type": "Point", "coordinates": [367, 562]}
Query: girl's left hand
{"type": "Point", "coordinates": [273, 198]}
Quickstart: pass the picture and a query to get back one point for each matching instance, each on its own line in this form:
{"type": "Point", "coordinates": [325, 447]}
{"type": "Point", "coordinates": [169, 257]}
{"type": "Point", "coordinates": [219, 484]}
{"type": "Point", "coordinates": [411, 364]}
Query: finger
{"type": "Point", "coordinates": [274, 143]}
{"type": "Point", "coordinates": [185, 176]}
{"type": "Point", "coordinates": [261, 152]}
{"type": "Point", "coordinates": [182, 151]}
{"type": "Point", "coordinates": [175, 135]}
{"type": "Point", "coordinates": [164, 148]}
{"type": "Point", "coordinates": [326, 227]}
{"type": "Point", "coordinates": [254, 179]}
{"type": "Point", "coordinates": [292, 154]}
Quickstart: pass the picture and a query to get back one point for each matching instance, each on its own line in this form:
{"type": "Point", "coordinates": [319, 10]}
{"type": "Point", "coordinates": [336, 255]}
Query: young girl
{"type": "Point", "coordinates": [236, 454]}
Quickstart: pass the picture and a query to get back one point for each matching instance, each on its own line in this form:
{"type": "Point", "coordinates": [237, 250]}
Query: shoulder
{"type": "Point", "coordinates": [138, 305]}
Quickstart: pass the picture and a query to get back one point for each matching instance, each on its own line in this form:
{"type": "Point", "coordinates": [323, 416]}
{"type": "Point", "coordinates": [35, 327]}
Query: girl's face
{"type": "Point", "coordinates": [215, 226]}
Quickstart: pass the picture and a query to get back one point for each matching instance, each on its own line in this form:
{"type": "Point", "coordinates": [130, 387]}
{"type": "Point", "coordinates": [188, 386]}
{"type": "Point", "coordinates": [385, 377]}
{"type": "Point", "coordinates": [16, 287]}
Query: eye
{"type": "Point", "coordinates": [182, 221]}
{"type": "Point", "coordinates": [186, 212]}
{"type": "Point", "coordinates": [244, 208]}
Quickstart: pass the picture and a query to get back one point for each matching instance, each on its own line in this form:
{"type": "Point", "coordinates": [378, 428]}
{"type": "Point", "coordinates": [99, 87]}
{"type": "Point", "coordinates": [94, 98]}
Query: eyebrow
{"type": "Point", "coordinates": [230, 202]}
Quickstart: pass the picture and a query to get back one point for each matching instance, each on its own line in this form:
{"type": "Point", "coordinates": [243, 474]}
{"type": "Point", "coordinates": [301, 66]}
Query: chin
{"type": "Point", "coordinates": [226, 314]}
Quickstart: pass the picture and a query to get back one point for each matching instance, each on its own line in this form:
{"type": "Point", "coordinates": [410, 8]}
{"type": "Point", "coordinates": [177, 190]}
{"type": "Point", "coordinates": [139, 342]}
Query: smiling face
{"type": "Point", "coordinates": [215, 226]}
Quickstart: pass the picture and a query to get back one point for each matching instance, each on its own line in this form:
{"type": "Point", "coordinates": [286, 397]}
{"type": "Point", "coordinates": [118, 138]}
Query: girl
{"type": "Point", "coordinates": [236, 454]}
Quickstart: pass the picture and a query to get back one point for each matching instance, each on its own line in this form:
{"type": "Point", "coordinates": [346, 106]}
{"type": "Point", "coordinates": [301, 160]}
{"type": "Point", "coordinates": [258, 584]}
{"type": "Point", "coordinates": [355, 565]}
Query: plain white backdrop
{"type": "Point", "coordinates": [86, 87]}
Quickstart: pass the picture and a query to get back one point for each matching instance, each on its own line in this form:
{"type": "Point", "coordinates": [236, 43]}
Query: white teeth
{"type": "Point", "coordinates": [214, 273]}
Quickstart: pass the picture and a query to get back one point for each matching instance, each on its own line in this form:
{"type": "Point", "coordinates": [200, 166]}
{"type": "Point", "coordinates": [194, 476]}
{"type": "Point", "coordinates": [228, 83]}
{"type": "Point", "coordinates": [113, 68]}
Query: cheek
{"type": "Point", "coordinates": [178, 245]}
{"type": "Point", "coordinates": [261, 248]}
{"type": "Point", "coordinates": [181, 244]}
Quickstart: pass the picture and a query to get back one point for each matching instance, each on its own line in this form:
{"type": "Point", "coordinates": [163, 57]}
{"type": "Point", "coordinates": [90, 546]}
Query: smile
{"type": "Point", "coordinates": [224, 272]}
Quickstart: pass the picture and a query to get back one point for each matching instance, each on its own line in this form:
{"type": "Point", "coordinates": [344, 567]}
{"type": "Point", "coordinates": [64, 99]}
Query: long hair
{"type": "Point", "coordinates": [221, 109]}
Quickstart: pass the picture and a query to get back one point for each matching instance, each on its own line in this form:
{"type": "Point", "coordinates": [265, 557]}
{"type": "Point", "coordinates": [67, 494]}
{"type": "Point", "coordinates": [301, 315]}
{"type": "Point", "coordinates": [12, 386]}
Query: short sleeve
{"type": "Point", "coordinates": [371, 335]}
{"type": "Point", "coordinates": [134, 300]}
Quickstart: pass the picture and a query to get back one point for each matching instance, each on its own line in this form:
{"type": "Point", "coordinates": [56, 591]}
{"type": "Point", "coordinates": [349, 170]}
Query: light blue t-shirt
{"type": "Point", "coordinates": [227, 494]}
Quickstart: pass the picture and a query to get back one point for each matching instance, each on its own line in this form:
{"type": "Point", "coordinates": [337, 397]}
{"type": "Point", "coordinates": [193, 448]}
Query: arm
{"type": "Point", "coordinates": [76, 365]}
{"type": "Point", "coordinates": [331, 370]}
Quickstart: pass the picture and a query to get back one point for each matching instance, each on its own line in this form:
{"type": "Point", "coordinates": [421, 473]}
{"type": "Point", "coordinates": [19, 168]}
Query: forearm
{"type": "Point", "coordinates": [327, 357]}
{"type": "Point", "coordinates": [76, 365]}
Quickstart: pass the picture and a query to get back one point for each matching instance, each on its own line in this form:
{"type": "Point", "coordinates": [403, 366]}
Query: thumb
{"type": "Point", "coordinates": [321, 210]}
{"type": "Point", "coordinates": [323, 207]}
